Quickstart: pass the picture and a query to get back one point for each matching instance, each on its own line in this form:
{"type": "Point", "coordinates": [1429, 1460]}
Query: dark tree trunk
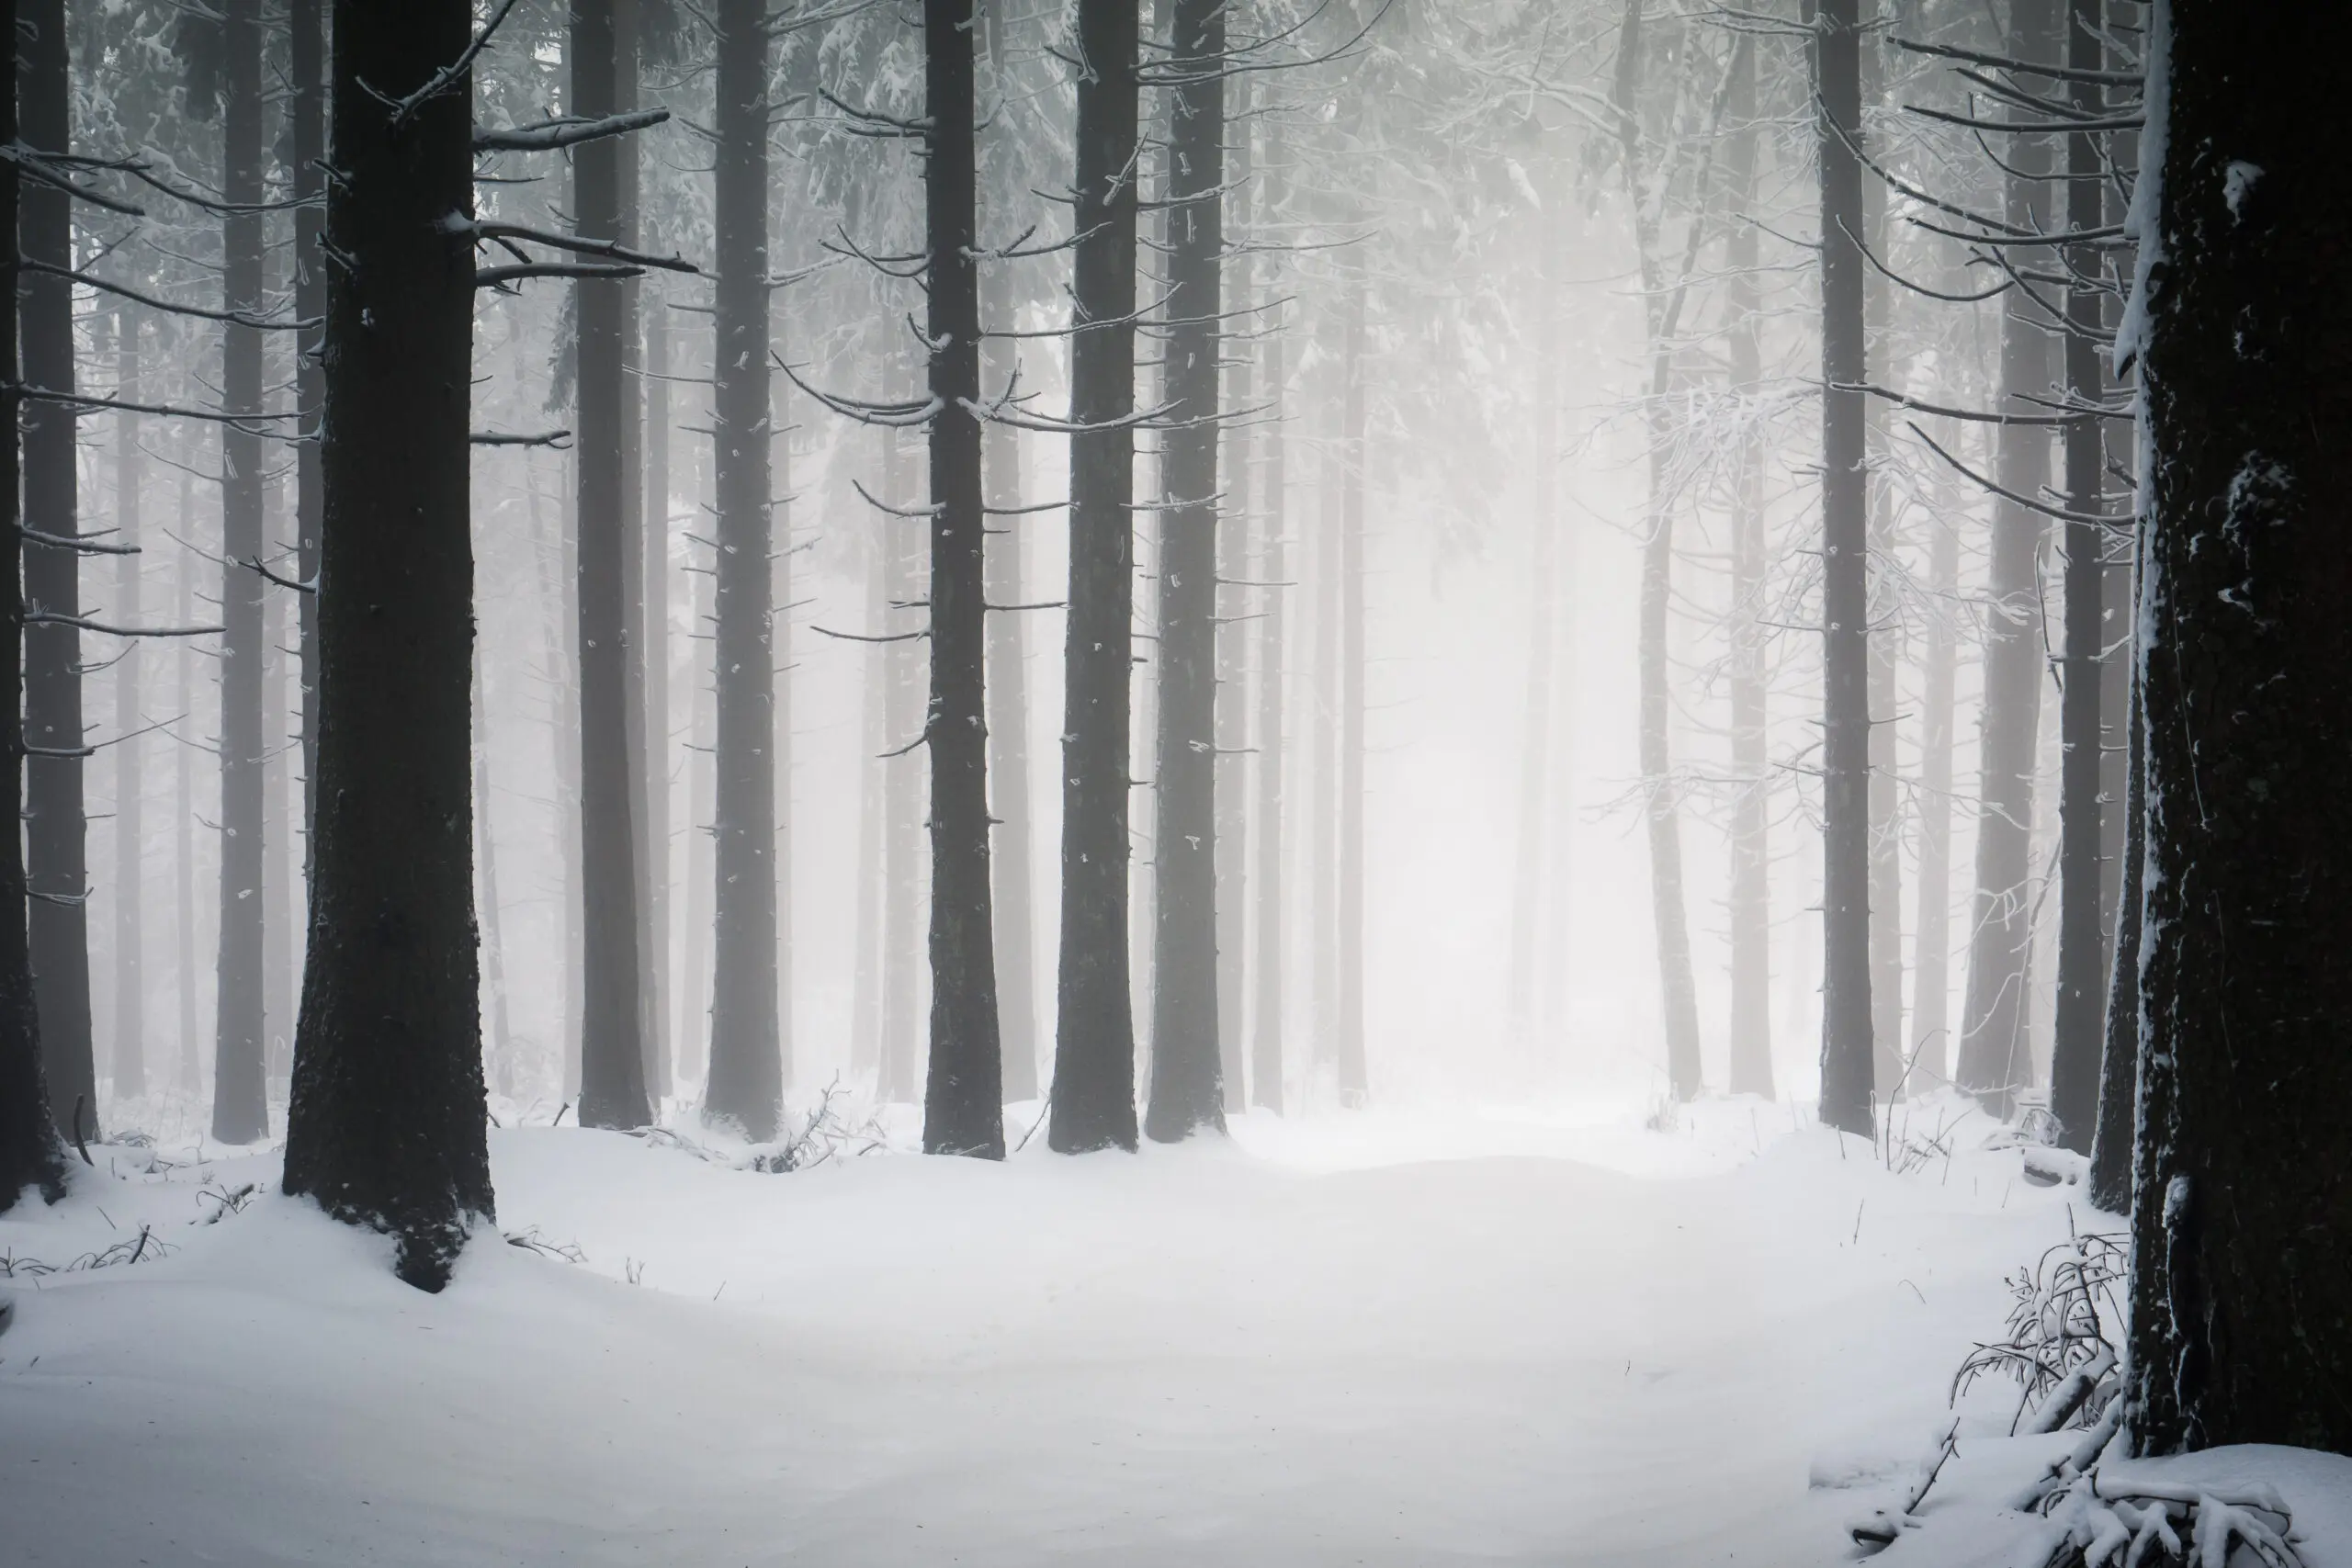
{"type": "Point", "coordinates": [1093, 1090]}
{"type": "Point", "coordinates": [1993, 1059]}
{"type": "Point", "coordinates": [1751, 855]}
{"type": "Point", "coordinates": [57, 867]}
{"type": "Point", "coordinates": [1187, 1060]}
{"type": "Point", "coordinates": [2242, 1223]}
{"type": "Point", "coordinates": [2079, 1023]}
{"type": "Point", "coordinates": [386, 1126]}
{"type": "Point", "coordinates": [307, 56]}
{"type": "Point", "coordinates": [962, 1103]}
{"type": "Point", "coordinates": [240, 1087]}
{"type": "Point", "coordinates": [1846, 1079]}
{"type": "Point", "coordinates": [1353, 1070]}
{"type": "Point", "coordinates": [613, 1050]}
{"type": "Point", "coordinates": [30, 1153]}
{"type": "Point", "coordinates": [130, 859]}
{"type": "Point", "coordinates": [746, 1083]}
{"type": "Point", "coordinates": [1007, 697]}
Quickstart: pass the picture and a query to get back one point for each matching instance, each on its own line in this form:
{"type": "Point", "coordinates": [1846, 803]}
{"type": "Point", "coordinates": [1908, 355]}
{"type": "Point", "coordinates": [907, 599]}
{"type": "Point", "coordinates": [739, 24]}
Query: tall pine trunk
{"type": "Point", "coordinates": [240, 1108]}
{"type": "Point", "coordinates": [306, 48]}
{"type": "Point", "coordinates": [1847, 1085]}
{"type": "Point", "coordinates": [1932, 938]}
{"type": "Point", "coordinates": [963, 1092]}
{"type": "Point", "coordinates": [2084, 900]}
{"type": "Point", "coordinates": [1187, 1060]}
{"type": "Point", "coordinates": [2242, 1223]}
{"type": "Point", "coordinates": [1267, 1089]}
{"type": "Point", "coordinates": [1009, 795]}
{"type": "Point", "coordinates": [30, 1153]}
{"type": "Point", "coordinates": [56, 863]}
{"type": "Point", "coordinates": [385, 1128]}
{"type": "Point", "coordinates": [613, 1049]}
{"type": "Point", "coordinates": [746, 1083]}
{"type": "Point", "coordinates": [1093, 1089]}
{"type": "Point", "coordinates": [1994, 1061]}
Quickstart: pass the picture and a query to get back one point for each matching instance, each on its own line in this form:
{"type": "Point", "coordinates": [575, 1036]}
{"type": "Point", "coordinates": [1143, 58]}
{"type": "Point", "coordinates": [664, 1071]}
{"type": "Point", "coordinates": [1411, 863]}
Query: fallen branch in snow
{"type": "Point", "coordinates": [1879, 1530]}
{"type": "Point", "coordinates": [2063, 1322]}
{"type": "Point", "coordinates": [532, 1241]}
{"type": "Point", "coordinates": [146, 1245]}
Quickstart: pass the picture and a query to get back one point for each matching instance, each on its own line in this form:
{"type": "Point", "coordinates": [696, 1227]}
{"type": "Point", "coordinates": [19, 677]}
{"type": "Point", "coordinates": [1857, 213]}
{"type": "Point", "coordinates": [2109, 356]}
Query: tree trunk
{"type": "Point", "coordinates": [386, 1125]}
{"type": "Point", "coordinates": [701, 854]}
{"type": "Point", "coordinates": [1995, 1060]}
{"type": "Point", "coordinates": [56, 865]}
{"type": "Point", "coordinates": [1093, 1090]}
{"type": "Point", "coordinates": [962, 1107]}
{"type": "Point", "coordinates": [613, 1051]}
{"type": "Point", "coordinates": [2242, 1228]}
{"type": "Point", "coordinates": [1187, 1060]}
{"type": "Point", "coordinates": [1354, 1080]}
{"type": "Point", "coordinates": [1323, 807]}
{"type": "Point", "coordinates": [1007, 699]}
{"type": "Point", "coordinates": [1846, 1077]}
{"type": "Point", "coordinates": [2079, 1024]}
{"type": "Point", "coordinates": [746, 1082]}
{"type": "Point", "coordinates": [30, 1153]}
{"type": "Point", "coordinates": [239, 1107]}
{"type": "Point", "coordinates": [277, 962]}
{"type": "Point", "coordinates": [1887, 801]}
{"type": "Point", "coordinates": [1232, 784]}
{"type": "Point", "coordinates": [129, 858]}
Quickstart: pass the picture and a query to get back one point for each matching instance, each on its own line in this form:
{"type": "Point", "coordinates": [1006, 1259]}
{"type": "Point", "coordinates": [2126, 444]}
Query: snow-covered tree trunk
{"type": "Point", "coordinates": [2242, 1221]}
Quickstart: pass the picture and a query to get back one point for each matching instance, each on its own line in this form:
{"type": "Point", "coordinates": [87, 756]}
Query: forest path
{"type": "Point", "coordinates": [1388, 1338]}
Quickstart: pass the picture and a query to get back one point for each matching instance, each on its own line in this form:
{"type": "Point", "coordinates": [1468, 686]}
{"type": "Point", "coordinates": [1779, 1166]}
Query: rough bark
{"type": "Point", "coordinates": [963, 1090]}
{"type": "Point", "coordinates": [1993, 1059]}
{"type": "Point", "coordinates": [1846, 1077]}
{"type": "Point", "coordinates": [1187, 1060]}
{"type": "Point", "coordinates": [56, 863]}
{"type": "Point", "coordinates": [240, 1087]}
{"type": "Point", "coordinates": [386, 1125]}
{"type": "Point", "coordinates": [1093, 1089]}
{"type": "Point", "coordinates": [2242, 1224]}
{"type": "Point", "coordinates": [746, 1083]}
{"type": "Point", "coordinates": [2119, 1086]}
{"type": "Point", "coordinates": [613, 1050]}
{"type": "Point", "coordinates": [30, 1155]}
{"type": "Point", "coordinates": [1008, 698]}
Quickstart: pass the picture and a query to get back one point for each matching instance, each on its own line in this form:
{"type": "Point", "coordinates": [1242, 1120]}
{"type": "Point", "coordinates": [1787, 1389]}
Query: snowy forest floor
{"type": "Point", "coordinates": [1392, 1337]}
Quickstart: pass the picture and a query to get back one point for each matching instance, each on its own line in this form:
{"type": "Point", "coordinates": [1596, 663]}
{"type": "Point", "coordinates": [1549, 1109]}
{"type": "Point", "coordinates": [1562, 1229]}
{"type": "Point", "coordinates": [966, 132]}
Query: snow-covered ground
{"type": "Point", "coordinates": [1391, 1338]}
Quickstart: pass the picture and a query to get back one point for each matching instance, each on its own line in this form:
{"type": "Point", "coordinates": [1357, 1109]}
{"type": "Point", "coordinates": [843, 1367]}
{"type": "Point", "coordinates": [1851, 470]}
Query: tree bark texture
{"type": "Point", "coordinates": [746, 1082]}
{"type": "Point", "coordinates": [1093, 1089]}
{"type": "Point", "coordinates": [386, 1124]}
{"type": "Point", "coordinates": [240, 1087]}
{"type": "Point", "coordinates": [56, 857]}
{"type": "Point", "coordinates": [30, 1153]}
{"type": "Point", "coordinates": [2241, 1223]}
{"type": "Point", "coordinates": [1848, 1084]}
{"type": "Point", "coordinates": [1187, 1060]}
{"type": "Point", "coordinates": [963, 1092]}
{"type": "Point", "coordinates": [613, 1082]}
